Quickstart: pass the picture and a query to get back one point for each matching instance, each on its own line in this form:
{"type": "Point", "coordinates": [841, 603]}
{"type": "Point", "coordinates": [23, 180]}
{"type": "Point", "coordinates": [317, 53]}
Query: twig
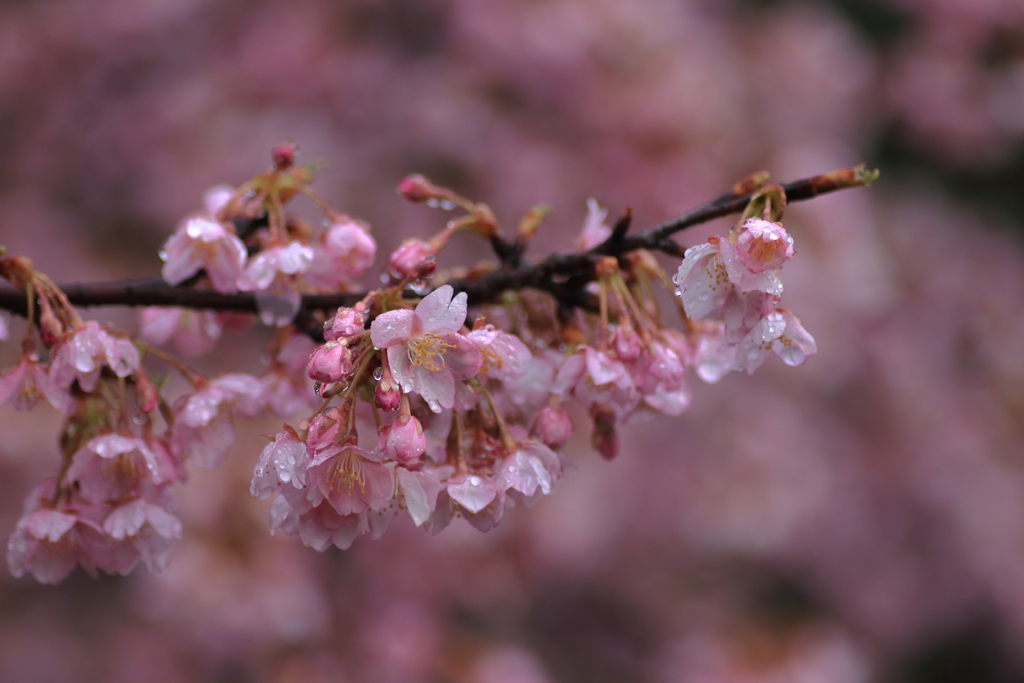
{"type": "Point", "coordinates": [564, 276]}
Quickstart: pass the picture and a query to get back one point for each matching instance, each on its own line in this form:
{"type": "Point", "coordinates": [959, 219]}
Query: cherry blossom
{"type": "Point", "coordinates": [28, 382]}
{"type": "Point", "coordinates": [204, 244]}
{"type": "Point", "coordinates": [425, 352]}
{"type": "Point", "coordinates": [194, 333]}
{"type": "Point", "coordinates": [342, 253]}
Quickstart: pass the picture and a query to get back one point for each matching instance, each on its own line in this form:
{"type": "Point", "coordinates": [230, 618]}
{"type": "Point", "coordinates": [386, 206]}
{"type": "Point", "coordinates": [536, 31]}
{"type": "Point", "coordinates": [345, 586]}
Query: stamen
{"type": "Point", "coordinates": [428, 350]}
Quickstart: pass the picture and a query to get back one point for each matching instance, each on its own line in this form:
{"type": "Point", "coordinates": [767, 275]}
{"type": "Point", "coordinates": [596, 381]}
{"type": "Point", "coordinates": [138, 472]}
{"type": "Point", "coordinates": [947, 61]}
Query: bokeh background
{"type": "Point", "coordinates": [860, 518]}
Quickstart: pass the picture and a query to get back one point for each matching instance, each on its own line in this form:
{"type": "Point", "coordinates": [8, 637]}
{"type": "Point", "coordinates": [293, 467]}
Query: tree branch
{"type": "Point", "coordinates": [564, 276]}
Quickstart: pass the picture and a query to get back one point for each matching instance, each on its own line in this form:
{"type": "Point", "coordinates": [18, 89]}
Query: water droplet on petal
{"type": "Point", "coordinates": [446, 204]}
{"type": "Point", "coordinates": [378, 373]}
{"type": "Point", "coordinates": [164, 255]}
{"type": "Point", "coordinates": [318, 388]}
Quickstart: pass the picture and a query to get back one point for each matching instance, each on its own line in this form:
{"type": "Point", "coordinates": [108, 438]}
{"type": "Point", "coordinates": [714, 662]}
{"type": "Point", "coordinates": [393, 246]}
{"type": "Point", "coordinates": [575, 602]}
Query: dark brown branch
{"type": "Point", "coordinates": [564, 276]}
{"type": "Point", "coordinates": [156, 292]}
{"type": "Point", "coordinates": [553, 273]}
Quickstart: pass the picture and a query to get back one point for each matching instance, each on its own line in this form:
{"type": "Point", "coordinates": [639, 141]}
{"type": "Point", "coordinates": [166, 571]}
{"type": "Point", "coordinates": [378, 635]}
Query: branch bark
{"type": "Point", "coordinates": [564, 276]}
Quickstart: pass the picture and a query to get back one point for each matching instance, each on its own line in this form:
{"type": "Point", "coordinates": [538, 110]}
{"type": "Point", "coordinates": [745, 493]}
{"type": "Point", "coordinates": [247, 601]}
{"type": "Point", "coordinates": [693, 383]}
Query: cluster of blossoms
{"type": "Point", "coordinates": [413, 403]}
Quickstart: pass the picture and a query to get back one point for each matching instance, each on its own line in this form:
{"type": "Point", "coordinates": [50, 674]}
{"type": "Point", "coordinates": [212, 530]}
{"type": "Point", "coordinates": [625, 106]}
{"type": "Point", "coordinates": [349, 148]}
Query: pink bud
{"type": "Point", "coordinates": [403, 440]}
{"type": "Point", "coordinates": [416, 188]}
{"type": "Point", "coordinates": [348, 322]}
{"type": "Point", "coordinates": [330, 363]}
{"type": "Point", "coordinates": [146, 393]}
{"type": "Point", "coordinates": [284, 156]}
{"type": "Point", "coordinates": [552, 426]}
{"type": "Point", "coordinates": [407, 257]}
{"type": "Point", "coordinates": [388, 394]}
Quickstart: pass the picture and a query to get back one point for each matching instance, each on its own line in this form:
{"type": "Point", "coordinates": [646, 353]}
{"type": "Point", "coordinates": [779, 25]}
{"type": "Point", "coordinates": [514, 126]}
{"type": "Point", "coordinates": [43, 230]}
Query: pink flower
{"type": "Point", "coordinates": [504, 355]}
{"type": "Point", "coordinates": [193, 332]}
{"type": "Point", "coordinates": [779, 332]}
{"type": "Point", "coordinates": [350, 479]}
{"type": "Point", "coordinates": [531, 468]}
{"type": "Point", "coordinates": [202, 427]}
{"type": "Point", "coordinates": [342, 253]}
{"type": "Point", "coordinates": [201, 243]}
{"type": "Point", "coordinates": [594, 377]}
{"type": "Point", "coordinates": [148, 527]}
{"type": "Point", "coordinates": [425, 352]}
{"type": "Point", "coordinates": [83, 355]}
{"type": "Point", "coordinates": [282, 464]}
{"type": "Point", "coordinates": [419, 490]}
{"type": "Point", "coordinates": [47, 542]}
{"type": "Point", "coordinates": [273, 274]}
{"type": "Point", "coordinates": [473, 491]}
{"type": "Point", "coordinates": [28, 381]}
{"type": "Point", "coordinates": [594, 230]}
{"type": "Point", "coordinates": [114, 467]}
{"type": "Point", "coordinates": [713, 271]}
{"type": "Point", "coordinates": [763, 245]}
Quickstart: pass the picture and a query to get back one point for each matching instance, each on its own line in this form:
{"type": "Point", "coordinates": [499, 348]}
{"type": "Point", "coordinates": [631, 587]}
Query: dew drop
{"type": "Point", "coordinates": [318, 388]}
{"type": "Point", "coordinates": [164, 255]}
{"type": "Point", "coordinates": [140, 419]}
{"type": "Point", "coordinates": [433, 203]}
{"type": "Point", "coordinates": [447, 205]}
{"type": "Point", "coordinates": [378, 373]}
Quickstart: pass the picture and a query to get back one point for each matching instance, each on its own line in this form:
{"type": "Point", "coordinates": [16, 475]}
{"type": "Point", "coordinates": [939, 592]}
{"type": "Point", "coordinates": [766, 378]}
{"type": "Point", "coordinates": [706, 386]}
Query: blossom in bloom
{"type": "Point", "coordinates": [148, 527]}
{"type": "Point", "coordinates": [272, 274]}
{"type": "Point", "coordinates": [780, 332]}
{"type": "Point", "coordinates": [203, 244]}
{"type": "Point", "coordinates": [114, 467]}
{"type": "Point", "coordinates": [29, 381]}
{"type": "Point", "coordinates": [194, 332]}
{"type": "Point", "coordinates": [282, 464]}
{"type": "Point", "coordinates": [425, 352]}
{"type": "Point", "coordinates": [595, 377]}
{"type": "Point", "coordinates": [594, 231]}
{"type": "Point", "coordinates": [49, 541]}
{"type": "Point", "coordinates": [504, 355]}
{"type": "Point", "coordinates": [82, 357]}
{"type": "Point", "coordinates": [342, 253]}
{"type": "Point", "coordinates": [350, 478]}
{"type": "Point", "coordinates": [418, 490]}
{"type": "Point", "coordinates": [202, 426]}
{"type": "Point", "coordinates": [531, 468]}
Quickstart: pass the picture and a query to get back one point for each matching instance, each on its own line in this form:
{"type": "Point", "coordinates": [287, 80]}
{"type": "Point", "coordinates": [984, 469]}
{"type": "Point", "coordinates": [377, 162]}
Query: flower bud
{"type": "Point", "coordinates": [388, 394]}
{"type": "Point", "coordinates": [330, 363]}
{"type": "Point", "coordinates": [407, 257]}
{"type": "Point", "coordinates": [403, 440]}
{"type": "Point", "coordinates": [146, 393]}
{"type": "Point", "coordinates": [552, 426]}
{"type": "Point", "coordinates": [416, 188]}
{"type": "Point", "coordinates": [284, 156]}
{"type": "Point", "coordinates": [346, 323]}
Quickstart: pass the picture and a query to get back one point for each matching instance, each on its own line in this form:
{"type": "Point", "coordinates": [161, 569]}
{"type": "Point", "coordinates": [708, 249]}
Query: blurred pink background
{"type": "Point", "coordinates": [860, 518]}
